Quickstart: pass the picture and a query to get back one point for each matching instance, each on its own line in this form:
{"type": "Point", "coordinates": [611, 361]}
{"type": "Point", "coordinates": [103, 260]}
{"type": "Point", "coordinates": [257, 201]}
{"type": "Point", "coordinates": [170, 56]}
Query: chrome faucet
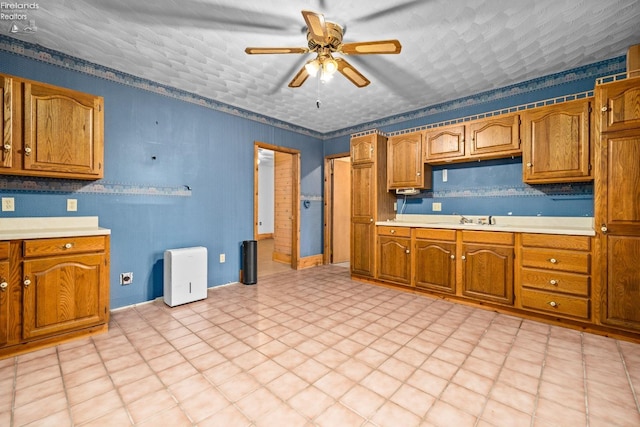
{"type": "Point", "coordinates": [465, 220]}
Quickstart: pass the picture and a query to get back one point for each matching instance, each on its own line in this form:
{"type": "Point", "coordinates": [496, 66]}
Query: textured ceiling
{"type": "Point", "coordinates": [450, 48]}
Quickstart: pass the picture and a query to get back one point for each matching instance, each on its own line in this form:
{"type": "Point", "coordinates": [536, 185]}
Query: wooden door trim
{"type": "Point", "coordinates": [328, 205]}
{"type": "Point", "coordinates": [295, 238]}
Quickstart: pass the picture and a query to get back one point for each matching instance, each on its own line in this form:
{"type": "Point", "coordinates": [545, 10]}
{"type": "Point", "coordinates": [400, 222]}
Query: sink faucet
{"type": "Point", "coordinates": [465, 220]}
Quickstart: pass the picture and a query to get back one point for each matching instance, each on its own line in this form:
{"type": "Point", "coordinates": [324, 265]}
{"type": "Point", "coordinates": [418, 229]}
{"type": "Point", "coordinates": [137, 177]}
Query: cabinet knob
{"type": "Point", "coordinates": [463, 257]}
{"type": "Point", "coordinates": [393, 231]}
{"type": "Point", "coordinates": [406, 251]}
{"type": "Point", "coordinates": [553, 303]}
{"type": "Point", "coordinates": [3, 286]}
{"type": "Point", "coordinates": [453, 257]}
{"type": "Point", "coordinates": [529, 164]}
{"type": "Point", "coordinates": [604, 228]}
{"type": "Point", "coordinates": [27, 282]}
{"type": "Point", "coordinates": [27, 151]}
{"type": "Point", "coordinates": [68, 245]}
{"type": "Point", "coordinates": [418, 174]}
{"type": "Point", "coordinates": [604, 109]}
{"type": "Point", "coordinates": [7, 147]}
{"type": "Point", "coordinates": [553, 261]}
{"type": "Point", "coordinates": [553, 282]}
{"type": "Point", "coordinates": [370, 219]}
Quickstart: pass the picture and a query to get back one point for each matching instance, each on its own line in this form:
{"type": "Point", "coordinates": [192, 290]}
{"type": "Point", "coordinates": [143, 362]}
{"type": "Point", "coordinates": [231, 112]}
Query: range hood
{"type": "Point", "coordinates": [407, 191]}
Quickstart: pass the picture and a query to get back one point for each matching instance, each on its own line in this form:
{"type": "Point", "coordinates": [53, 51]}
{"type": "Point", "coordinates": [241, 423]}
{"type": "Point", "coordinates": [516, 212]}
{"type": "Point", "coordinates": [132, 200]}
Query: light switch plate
{"type": "Point", "coordinates": [8, 204]}
{"type": "Point", "coordinates": [72, 205]}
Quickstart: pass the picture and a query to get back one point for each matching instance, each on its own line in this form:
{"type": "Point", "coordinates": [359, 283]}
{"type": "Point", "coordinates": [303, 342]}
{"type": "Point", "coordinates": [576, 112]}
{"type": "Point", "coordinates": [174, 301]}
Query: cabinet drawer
{"type": "Point", "coordinates": [394, 231]}
{"type": "Point", "coordinates": [552, 303]}
{"type": "Point", "coordinates": [4, 250]}
{"type": "Point", "coordinates": [63, 246]}
{"type": "Point", "coordinates": [578, 243]}
{"type": "Point", "coordinates": [556, 281]}
{"type": "Point", "coordinates": [487, 237]}
{"type": "Point", "coordinates": [436, 234]}
{"type": "Point", "coordinates": [556, 259]}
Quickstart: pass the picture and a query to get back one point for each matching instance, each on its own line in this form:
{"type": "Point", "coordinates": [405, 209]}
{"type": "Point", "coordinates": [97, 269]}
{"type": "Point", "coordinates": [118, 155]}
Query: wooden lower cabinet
{"type": "Point", "coordinates": [394, 254]}
{"type": "Point", "coordinates": [487, 272]}
{"type": "Point", "coordinates": [4, 292]}
{"type": "Point", "coordinates": [434, 260]}
{"type": "Point", "coordinates": [57, 289]}
{"type": "Point", "coordinates": [622, 292]}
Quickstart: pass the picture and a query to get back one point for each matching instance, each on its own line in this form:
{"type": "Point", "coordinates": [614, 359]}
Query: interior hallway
{"type": "Point", "coordinates": [314, 348]}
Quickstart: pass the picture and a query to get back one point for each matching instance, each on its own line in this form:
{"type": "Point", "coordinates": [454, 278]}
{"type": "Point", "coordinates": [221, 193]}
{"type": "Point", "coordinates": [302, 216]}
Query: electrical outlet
{"type": "Point", "coordinates": [126, 278]}
{"type": "Point", "coordinates": [436, 206]}
{"type": "Point", "coordinates": [223, 258]}
{"type": "Point", "coordinates": [8, 204]}
{"type": "Point", "coordinates": [72, 205]}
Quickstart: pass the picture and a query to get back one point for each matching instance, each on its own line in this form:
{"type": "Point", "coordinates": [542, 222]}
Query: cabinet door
{"type": "Point", "coordinates": [4, 302]}
{"type": "Point", "coordinates": [495, 136]}
{"type": "Point", "coordinates": [63, 132]}
{"type": "Point", "coordinates": [556, 143]}
{"type": "Point", "coordinates": [62, 294]}
{"type": "Point", "coordinates": [488, 273]}
{"type": "Point", "coordinates": [435, 265]}
{"type": "Point", "coordinates": [362, 218]}
{"type": "Point", "coordinates": [363, 149]}
{"type": "Point", "coordinates": [404, 164]}
{"type": "Point", "coordinates": [619, 105]}
{"type": "Point", "coordinates": [443, 143]}
{"type": "Point", "coordinates": [394, 259]}
{"type": "Point", "coordinates": [617, 216]}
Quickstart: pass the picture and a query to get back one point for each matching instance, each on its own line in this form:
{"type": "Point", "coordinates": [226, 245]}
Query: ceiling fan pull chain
{"type": "Point", "coordinates": [318, 91]}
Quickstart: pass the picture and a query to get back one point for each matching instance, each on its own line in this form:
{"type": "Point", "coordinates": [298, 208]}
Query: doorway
{"type": "Point", "coordinates": [276, 212]}
{"type": "Point", "coordinates": [337, 194]}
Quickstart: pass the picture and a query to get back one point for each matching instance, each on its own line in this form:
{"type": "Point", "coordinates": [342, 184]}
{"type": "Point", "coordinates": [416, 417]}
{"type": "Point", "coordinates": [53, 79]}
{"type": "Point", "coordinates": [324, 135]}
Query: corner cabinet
{"type": "Point", "coordinates": [405, 168]}
{"type": "Point", "coordinates": [617, 203]}
{"type": "Point", "coordinates": [51, 131]}
{"type": "Point", "coordinates": [557, 142]}
{"type": "Point", "coordinates": [370, 200]}
{"type": "Point", "coordinates": [57, 289]}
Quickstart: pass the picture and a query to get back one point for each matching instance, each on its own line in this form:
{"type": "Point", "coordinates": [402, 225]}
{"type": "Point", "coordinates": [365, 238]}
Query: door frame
{"type": "Point", "coordinates": [295, 237]}
{"type": "Point", "coordinates": [328, 205]}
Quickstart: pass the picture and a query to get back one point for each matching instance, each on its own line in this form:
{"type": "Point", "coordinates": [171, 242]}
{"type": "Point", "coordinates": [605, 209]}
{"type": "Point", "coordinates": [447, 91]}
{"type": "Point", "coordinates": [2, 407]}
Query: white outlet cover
{"type": "Point", "coordinates": [8, 204]}
{"type": "Point", "coordinates": [72, 205]}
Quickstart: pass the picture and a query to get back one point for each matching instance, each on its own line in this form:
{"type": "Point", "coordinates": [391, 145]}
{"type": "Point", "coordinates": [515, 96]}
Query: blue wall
{"type": "Point", "coordinates": [208, 150]}
{"type": "Point", "coordinates": [493, 187]}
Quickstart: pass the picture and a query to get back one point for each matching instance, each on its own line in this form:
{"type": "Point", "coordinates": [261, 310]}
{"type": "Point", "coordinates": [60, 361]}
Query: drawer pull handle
{"type": "Point", "coordinates": [553, 303]}
{"type": "Point", "coordinates": [27, 282]}
{"type": "Point", "coordinates": [3, 286]}
{"type": "Point", "coordinates": [553, 261]}
{"type": "Point", "coordinates": [68, 245]}
{"type": "Point", "coordinates": [393, 231]}
{"type": "Point", "coordinates": [553, 282]}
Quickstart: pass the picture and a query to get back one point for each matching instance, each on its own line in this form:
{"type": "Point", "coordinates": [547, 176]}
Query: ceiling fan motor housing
{"type": "Point", "coordinates": [334, 38]}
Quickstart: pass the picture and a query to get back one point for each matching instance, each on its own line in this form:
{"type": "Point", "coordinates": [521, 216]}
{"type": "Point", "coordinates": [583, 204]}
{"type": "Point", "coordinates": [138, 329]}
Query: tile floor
{"type": "Point", "coordinates": [312, 347]}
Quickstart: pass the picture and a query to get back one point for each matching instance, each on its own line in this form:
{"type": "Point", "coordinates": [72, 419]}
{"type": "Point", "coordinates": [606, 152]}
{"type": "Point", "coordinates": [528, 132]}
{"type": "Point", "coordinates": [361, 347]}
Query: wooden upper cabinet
{"type": "Point", "coordinates": [363, 149]}
{"type": "Point", "coordinates": [63, 132]}
{"type": "Point", "coordinates": [405, 167]}
{"type": "Point", "coordinates": [619, 105]}
{"type": "Point", "coordinates": [443, 144]}
{"type": "Point", "coordinates": [556, 145]}
{"type": "Point", "coordinates": [9, 143]}
{"type": "Point", "coordinates": [499, 135]}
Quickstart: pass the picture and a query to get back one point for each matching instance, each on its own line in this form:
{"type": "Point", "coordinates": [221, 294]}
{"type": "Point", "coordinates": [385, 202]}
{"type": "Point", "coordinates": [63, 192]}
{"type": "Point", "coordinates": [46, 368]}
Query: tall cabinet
{"type": "Point", "coordinates": [617, 202]}
{"type": "Point", "coordinates": [370, 200]}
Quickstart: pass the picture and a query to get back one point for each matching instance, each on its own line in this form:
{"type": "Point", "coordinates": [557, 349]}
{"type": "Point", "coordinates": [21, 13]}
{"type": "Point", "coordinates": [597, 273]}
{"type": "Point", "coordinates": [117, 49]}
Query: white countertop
{"type": "Point", "coordinates": [579, 226]}
{"type": "Point", "coordinates": [44, 227]}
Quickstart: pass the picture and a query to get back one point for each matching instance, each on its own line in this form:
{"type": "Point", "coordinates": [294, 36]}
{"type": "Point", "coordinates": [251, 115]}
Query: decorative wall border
{"type": "Point", "coordinates": [572, 190]}
{"type": "Point", "coordinates": [51, 185]}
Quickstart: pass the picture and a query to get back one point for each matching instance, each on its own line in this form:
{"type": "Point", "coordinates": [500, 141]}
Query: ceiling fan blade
{"type": "Point", "coordinates": [300, 78]}
{"type": "Point", "coordinates": [279, 50]}
{"type": "Point", "coordinates": [351, 73]}
{"type": "Point", "coordinates": [316, 25]}
{"type": "Point", "coordinates": [366, 48]}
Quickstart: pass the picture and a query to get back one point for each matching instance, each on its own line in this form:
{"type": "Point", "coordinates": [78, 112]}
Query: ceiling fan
{"type": "Point", "coordinates": [325, 38]}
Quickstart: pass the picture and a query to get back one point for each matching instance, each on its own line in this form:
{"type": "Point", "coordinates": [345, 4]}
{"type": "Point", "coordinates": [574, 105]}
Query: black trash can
{"type": "Point", "coordinates": [250, 262]}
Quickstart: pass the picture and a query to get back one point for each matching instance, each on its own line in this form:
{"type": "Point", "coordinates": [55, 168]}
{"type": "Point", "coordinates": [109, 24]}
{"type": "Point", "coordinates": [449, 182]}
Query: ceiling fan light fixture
{"type": "Point", "coordinates": [312, 67]}
{"type": "Point", "coordinates": [329, 66]}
